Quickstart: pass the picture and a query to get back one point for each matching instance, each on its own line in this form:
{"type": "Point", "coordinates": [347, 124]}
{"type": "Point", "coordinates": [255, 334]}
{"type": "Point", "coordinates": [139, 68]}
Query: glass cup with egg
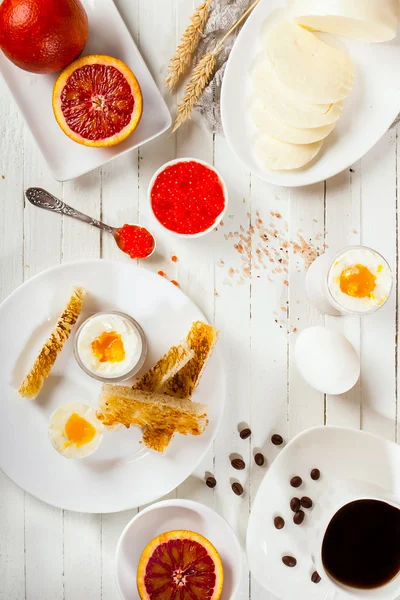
{"type": "Point", "coordinates": [110, 346]}
{"type": "Point", "coordinates": [355, 281]}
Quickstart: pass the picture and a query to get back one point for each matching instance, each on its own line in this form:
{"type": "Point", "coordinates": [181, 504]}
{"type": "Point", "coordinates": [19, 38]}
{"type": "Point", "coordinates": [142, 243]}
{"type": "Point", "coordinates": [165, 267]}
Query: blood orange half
{"type": "Point", "coordinates": [180, 565]}
{"type": "Point", "coordinates": [97, 101]}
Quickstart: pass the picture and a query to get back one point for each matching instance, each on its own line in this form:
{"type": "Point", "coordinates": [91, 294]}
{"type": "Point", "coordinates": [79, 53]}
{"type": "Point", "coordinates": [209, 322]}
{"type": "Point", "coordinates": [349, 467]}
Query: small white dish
{"type": "Point", "coordinates": [108, 35]}
{"type": "Point", "coordinates": [171, 515]}
{"type": "Point", "coordinates": [368, 112]}
{"type": "Point", "coordinates": [122, 474]}
{"type": "Point", "coordinates": [339, 454]}
{"type": "Point", "coordinates": [208, 166]}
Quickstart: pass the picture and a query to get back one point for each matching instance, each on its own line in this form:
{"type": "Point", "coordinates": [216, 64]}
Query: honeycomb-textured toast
{"type": "Point", "coordinates": [158, 415]}
{"type": "Point", "coordinates": [33, 382]}
{"type": "Point", "coordinates": [201, 339]}
{"type": "Point", "coordinates": [172, 362]}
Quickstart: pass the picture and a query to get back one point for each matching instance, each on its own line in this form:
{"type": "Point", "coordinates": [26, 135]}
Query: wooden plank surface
{"type": "Point", "coordinates": [247, 277]}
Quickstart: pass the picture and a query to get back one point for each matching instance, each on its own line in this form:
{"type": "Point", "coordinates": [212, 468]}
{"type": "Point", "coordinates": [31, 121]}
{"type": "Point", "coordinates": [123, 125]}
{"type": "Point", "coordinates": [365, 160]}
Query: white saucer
{"type": "Point", "coordinates": [123, 473]}
{"type": "Point", "coordinates": [169, 516]}
{"type": "Point", "coordinates": [339, 454]}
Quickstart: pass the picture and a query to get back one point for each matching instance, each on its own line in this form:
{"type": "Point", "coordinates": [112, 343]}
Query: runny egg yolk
{"type": "Point", "coordinates": [109, 347]}
{"type": "Point", "coordinates": [357, 281]}
{"type": "Point", "coordinates": [79, 431]}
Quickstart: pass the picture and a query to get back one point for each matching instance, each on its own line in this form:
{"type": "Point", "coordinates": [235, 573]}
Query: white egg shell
{"type": "Point", "coordinates": [327, 360]}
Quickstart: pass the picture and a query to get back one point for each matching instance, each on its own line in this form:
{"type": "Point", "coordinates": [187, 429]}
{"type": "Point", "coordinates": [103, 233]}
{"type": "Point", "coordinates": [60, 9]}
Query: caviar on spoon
{"type": "Point", "coordinates": [134, 240]}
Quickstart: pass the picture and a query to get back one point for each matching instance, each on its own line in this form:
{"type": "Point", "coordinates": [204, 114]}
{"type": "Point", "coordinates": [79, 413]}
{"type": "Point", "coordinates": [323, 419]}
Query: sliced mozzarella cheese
{"type": "Point", "coordinates": [269, 124]}
{"type": "Point", "coordinates": [308, 66]}
{"type": "Point", "coordinates": [367, 20]}
{"type": "Point", "coordinates": [281, 156]}
{"type": "Point", "coordinates": [289, 107]}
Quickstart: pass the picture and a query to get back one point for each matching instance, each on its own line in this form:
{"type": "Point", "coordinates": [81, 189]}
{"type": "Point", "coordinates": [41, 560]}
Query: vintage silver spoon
{"type": "Point", "coordinates": [42, 199]}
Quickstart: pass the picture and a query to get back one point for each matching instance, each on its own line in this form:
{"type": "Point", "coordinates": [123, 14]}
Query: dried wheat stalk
{"type": "Point", "coordinates": [202, 74]}
{"type": "Point", "coordinates": [189, 40]}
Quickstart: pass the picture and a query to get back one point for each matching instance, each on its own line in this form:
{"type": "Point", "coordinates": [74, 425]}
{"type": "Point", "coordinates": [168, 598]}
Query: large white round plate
{"type": "Point", "coordinates": [171, 515]}
{"type": "Point", "coordinates": [369, 111]}
{"type": "Point", "coordinates": [339, 454]}
{"type": "Point", "coordinates": [122, 474]}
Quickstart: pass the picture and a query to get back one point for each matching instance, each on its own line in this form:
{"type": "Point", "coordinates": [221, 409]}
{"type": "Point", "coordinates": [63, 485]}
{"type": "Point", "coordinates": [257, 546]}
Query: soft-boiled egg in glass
{"type": "Point", "coordinates": [110, 346]}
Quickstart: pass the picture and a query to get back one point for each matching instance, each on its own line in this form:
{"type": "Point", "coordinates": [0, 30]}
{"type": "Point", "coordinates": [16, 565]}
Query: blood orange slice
{"type": "Point", "coordinates": [97, 101]}
{"type": "Point", "coordinates": [180, 565]}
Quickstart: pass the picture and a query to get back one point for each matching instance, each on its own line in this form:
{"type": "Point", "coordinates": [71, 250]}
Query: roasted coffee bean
{"type": "Point", "coordinates": [237, 488]}
{"type": "Point", "coordinates": [296, 481]}
{"type": "Point", "coordinates": [306, 502]}
{"type": "Point", "coordinates": [298, 517]}
{"type": "Point", "coordinates": [279, 523]}
{"type": "Point", "coordinates": [259, 459]}
{"type": "Point", "coordinates": [277, 440]}
{"type": "Point", "coordinates": [289, 561]}
{"type": "Point", "coordinates": [295, 504]}
{"type": "Point", "coordinates": [211, 482]}
{"type": "Point", "coordinates": [238, 464]}
{"type": "Point", "coordinates": [245, 433]}
{"type": "Point", "coordinates": [315, 578]}
{"type": "Point", "coordinates": [315, 474]}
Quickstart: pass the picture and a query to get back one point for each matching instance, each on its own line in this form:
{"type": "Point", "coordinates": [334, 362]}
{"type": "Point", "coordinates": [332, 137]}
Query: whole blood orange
{"type": "Point", "coordinates": [180, 565]}
{"type": "Point", "coordinates": [97, 101]}
{"type": "Point", "coordinates": [42, 36]}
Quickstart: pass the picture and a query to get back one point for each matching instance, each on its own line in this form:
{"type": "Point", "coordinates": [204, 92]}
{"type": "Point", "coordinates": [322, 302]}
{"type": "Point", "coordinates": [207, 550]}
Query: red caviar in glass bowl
{"type": "Point", "coordinates": [188, 197]}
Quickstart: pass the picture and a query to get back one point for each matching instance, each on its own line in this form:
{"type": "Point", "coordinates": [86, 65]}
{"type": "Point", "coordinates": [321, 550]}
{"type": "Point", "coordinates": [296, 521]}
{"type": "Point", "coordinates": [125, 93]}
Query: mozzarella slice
{"type": "Point", "coordinates": [370, 21]}
{"type": "Point", "coordinates": [281, 156]}
{"type": "Point", "coordinates": [308, 66]}
{"type": "Point", "coordinates": [269, 124]}
{"type": "Point", "coordinates": [288, 107]}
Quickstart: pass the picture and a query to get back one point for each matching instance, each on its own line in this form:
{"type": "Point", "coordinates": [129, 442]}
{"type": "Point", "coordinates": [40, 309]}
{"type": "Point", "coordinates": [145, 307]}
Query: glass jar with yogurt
{"type": "Point", "coordinates": [356, 281]}
{"type": "Point", "coordinates": [110, 346]}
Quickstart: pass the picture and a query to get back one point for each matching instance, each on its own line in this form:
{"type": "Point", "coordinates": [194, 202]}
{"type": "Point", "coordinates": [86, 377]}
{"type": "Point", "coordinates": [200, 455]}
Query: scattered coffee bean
{"type": "Point", "coordinates": [289, 561]}
{"type": "Point", "coordinates": [238, 464]}
{"type": "Point", "coordinates": [237, 488]}
{"type": "Point", "coordinates": [295, 505]}
{"type": "Point", "coordinates": [279, 523]}
{"type": "Point", "coordinates": [306, 502]}
{"type": "Point", "coordinates": [277, 440]}
{"type": "Point", "coordinates": [296, 481]}
{"type": "Point", "coordinates": [315, 578]}
{"type": "Point", "coordinates": [315, 474]}
{"type": "Point", "coordinates": [245, 433]}
{"type": "Point", "coordinates": [259, 458]}
{"type": "Point", "coordinates": [211, 482]}
{"type": "Point", "coordinates": [298, 517]}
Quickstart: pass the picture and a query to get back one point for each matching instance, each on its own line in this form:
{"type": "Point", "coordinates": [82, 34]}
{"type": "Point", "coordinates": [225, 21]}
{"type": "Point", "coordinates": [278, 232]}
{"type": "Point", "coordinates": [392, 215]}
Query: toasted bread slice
{"type": "Point", "coordinates": [158, 414]}
{"type": "Point", "coordinates": [201, 339]}
{"type": "Point", "coordinates": [172, 362]}
{"type": "Point", "coordinates": [33, 382]}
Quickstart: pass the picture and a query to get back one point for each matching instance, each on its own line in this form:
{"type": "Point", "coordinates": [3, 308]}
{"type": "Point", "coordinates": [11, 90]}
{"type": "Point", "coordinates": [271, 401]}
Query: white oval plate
{"type": "Point", "coordinates": [169, 516]}
{"type": "Point", "coordinates": [109, 35]}
{"type": "Point", "coordinates": [369, 111]}
{"type": "Point", "coordinates": [339, 454]}
{"type": "Point", "coordinates": [122, 474]}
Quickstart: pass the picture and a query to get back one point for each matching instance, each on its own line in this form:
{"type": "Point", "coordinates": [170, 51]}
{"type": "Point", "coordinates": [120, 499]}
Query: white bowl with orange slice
{"type": "Point", "coordinates": [210, 553]}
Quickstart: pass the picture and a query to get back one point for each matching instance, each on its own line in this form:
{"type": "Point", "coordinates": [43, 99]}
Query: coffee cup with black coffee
{"type": "Point", "coordinates": [356, 540]}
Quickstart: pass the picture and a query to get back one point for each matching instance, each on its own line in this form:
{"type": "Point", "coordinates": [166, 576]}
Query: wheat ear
{"type": "Point", "coordinates": [202, 74]}
{"type": "Point", "coordinates": [188, 44]}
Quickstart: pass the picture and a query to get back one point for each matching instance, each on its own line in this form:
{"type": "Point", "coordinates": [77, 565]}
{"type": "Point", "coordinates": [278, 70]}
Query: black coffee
{"type": "Point", "coordinates": [361, 547]}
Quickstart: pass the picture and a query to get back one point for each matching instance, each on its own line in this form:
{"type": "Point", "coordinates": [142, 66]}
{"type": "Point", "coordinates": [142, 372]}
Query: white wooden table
{"type": "Point", "coordinates": [49, 554]}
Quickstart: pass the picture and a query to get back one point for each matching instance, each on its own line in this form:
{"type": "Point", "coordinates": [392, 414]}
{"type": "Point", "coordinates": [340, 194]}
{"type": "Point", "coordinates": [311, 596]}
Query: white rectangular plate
{"type": "Point", "coordinates": [108, 35]}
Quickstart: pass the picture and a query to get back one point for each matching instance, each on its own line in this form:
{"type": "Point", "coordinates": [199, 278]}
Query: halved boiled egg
{"type": "Point", "coordinates": [75, 431]}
